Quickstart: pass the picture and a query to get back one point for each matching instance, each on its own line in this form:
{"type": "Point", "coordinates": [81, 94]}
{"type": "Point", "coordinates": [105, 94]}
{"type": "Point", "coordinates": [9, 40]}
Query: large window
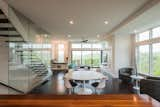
{"type": "Point", "coordinates": [143, 56]}
{"type": "Point", "coordinates": [156, 32]}
{"type": "Point", "coordinates": [96, 60]}
{"type": "Point", "coordinates": [60, 52]}
{"type": "Point", "coordinates": [143, 36]}
{"type": "Point", "coordinates": [87, 58]}
{"type": "Point", "coordinates": [90, 58]}
{"type": "Point", "coordinates": [90, 54]}
{"type": "Point", "coordinates": [148, 52]}
{"type": "Point", "coordinates": [156, 59]}
{"type": "Point", "coordinates": [76, 57]}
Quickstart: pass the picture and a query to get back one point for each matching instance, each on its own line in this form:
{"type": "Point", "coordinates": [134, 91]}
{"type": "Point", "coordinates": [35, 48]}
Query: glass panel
{"type": "Point", "coordinates": [86, 45]}
{"type": "Point", "coordinates": [156, 32]}
{"type": "Point", "coordinates": [156, 59]}
{"type": "Point", "coordinates": [144, 36]}
{"type": "Point", "coordinates": [96, 58]}
{"type": "Point", "coordinates": [143, 59]}
{"type": "Point", "coordinates": [61, 53]}
{"type": "Point", "coordinates": [97, 45]}
{"type": "Point", "coordinates": [86, 58]}
{"type": "Point", "coordinates": [76, 57]}
{"type": "Point", "coordinates": [137, 38]}
{"type": "Point", "coordinates": [76, 45]}
{"type": "Point", "coordinates": [104, 56]}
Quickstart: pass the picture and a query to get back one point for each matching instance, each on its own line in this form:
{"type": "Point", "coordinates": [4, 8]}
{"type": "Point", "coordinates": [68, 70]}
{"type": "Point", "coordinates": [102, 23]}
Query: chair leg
{"type": "Point", "coordinates": [98, 91]}
{"type": "Point", "coordinates": [95, 91]}
{"type": "Point", "coordinates": [70, 91]}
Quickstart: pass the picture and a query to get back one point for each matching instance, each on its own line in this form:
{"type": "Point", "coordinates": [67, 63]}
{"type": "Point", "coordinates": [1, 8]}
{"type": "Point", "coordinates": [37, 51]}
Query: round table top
{"type": "Point", "coordinates": [138, 77]}
{"type": "Point", "coordinates": [84, 75]}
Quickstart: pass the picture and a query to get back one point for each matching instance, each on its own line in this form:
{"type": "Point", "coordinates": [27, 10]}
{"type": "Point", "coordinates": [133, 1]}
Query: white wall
{"type": "Point", "coordinates": [122, 52]}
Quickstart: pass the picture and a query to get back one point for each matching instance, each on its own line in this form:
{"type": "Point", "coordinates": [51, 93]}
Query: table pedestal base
{"type": "Point", "coordinates": [83, 91]}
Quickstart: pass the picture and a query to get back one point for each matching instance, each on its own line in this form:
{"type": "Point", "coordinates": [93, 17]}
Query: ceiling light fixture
{"type": "Point", "coordinates": [135, 31]}
{"type": "Point", "coordinates": [71, 22]}
{"type": "Point", "coordinates": [98, 36]}
{"type": "Point", "coordinates": [106, 22]}
{"type": "Point", "coordinates": [69, 36]}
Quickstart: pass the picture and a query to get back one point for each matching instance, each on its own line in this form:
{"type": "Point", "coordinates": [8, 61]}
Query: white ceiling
{"type": "Point", "coordinates": [88, 15]}
{"type": "Point", "coordinates": [147, 20]}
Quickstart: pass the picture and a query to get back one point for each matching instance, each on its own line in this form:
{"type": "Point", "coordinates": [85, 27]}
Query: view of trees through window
{"type": "Point", "coordinates": [156, 59]}
{"type": "Point", "coordinates": [88, 54]}
{"type": "Point", "coordinates": [90, 58]}
{"type": "Point", "coordinates": [143, 56]}
{"type": "Point", "coordinates": [148, 52]}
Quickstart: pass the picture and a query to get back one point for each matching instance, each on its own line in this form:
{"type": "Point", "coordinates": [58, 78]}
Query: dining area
{"type": "Point", "coordinates": [84, 81]}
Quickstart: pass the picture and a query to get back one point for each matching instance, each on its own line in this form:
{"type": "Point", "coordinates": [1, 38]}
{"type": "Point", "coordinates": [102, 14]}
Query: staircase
{"type": "Point", "coordinates": [8, 31]}
{"type": "Point", "coordinates": [21, 76]}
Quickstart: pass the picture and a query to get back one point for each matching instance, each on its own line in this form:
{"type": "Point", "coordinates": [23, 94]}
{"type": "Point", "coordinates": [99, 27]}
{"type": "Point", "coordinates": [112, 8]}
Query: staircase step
{"type": "Point", "coordinates": [2, 16]}
{"type": "Point", "coordinates": [4, 21]}
{"type": "Point", "coordinates": [9, 34]}
{"type": "Point", "coordinates": [6, 25]}
{"type": "Point", "coordinates": [8, 29]}
{"type": "Point", "coordinates": [1, 11]}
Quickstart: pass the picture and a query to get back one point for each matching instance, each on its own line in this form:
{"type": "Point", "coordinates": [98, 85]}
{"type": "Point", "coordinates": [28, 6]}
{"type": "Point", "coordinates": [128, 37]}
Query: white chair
{"type": "Point", "coordinates": [99, 85]}
{"type": "Point", "coordinates": [69, 85]}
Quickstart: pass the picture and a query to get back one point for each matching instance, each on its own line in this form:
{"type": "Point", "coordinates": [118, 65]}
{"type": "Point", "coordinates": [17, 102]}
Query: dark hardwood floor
{"type": "Point", "coordinates": [56, 86]}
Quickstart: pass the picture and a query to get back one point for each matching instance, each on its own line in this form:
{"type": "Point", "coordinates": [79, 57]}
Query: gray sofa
{"type": "Point", "coordinates": [151, 86]}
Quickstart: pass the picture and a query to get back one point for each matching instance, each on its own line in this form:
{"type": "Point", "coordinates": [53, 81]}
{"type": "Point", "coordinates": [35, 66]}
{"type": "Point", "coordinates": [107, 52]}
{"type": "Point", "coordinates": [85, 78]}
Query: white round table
{"type": "Point", "coordinates": [84, 76]}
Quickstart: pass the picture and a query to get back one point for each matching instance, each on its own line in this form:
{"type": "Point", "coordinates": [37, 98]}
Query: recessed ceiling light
{"type": "Point", "coordinates": [71, 22]}
{"type": "Point", "coordinates": [45, 35]}
{"type": "Point", "coordinates": [106, 22]}
{"type": "Point", "coordinates": [135, 31]}
{"type": "Point", "coordinates": [98, 36]}
{"type": "Point", "coordinates": [69, 36]}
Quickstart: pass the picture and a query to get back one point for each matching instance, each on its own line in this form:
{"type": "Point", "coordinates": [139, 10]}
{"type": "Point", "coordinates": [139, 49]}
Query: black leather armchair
{"type": "Point", "coordinates": [125, 73]}
{"type": "Point", "coordinates": [151, 86]}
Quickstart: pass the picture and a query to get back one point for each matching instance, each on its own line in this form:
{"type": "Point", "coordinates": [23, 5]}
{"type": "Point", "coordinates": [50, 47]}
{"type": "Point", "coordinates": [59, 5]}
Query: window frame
{"type": "Point", "coordinates": [151, 41]}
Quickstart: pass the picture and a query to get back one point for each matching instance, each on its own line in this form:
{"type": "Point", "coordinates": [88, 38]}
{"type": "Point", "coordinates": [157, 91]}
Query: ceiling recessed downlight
{"type": "Point", "coordinates": [71, 22]}
{"type": "Point", "coordinates": [98, 36]}
{"type": "Point", "coordinates": [106, 22]}
{"type": "Point", "coordinates": [69, 36]}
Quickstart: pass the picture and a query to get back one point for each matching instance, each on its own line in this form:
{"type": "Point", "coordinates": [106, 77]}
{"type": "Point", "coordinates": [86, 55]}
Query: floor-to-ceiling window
{"type": "Point", "coordinates": [91, 54]}
{"type": "Point", "coordinates": [76, 57]}
{"type": "Point", "coordinates": [61, 53]}
{"type": "Point", "coordinates": [96, 58]}
{"type": "Point", "coordinates": [148, 51]}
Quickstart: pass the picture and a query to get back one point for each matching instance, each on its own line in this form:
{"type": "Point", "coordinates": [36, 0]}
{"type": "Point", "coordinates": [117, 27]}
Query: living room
{"type": "Point", "coordinates": [80, 48]}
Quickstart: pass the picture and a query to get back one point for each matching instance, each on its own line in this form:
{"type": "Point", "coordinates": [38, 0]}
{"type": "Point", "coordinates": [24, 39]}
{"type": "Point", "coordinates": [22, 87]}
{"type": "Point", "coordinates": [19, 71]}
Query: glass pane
{"type": "Point", "coordinates": [96, 58]}
{"type": "Point", "coordinates": [156, 59]}
{"type": "Point", "coordinates": [97, 45]}
{"type": "Point", "coordinates": [143, 59]}
{"type": "Point", "coordinates": [61, 56]}
{"type": "Point", "coordinates": [61, 53]}
{"type": "Point", "coordinates": [76, 45]}
{"type": "Point", "coordinates": [156, 32]}
{"type": "Point", "coordinates": [76, 57]}
{"type": "Point", "coordinates": [144, 36]}
{"type": "Point", "coordinates": [86, 45]}
{"type": "Point", "coordinates": [86, 58]}
{"type": "Point", "coordinates": [104, 57]}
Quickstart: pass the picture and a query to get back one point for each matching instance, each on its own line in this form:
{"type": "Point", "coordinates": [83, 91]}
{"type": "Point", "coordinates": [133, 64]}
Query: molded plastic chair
{"type": "Point", "coordinates": [69, 85]}
{"type": "Point", "coordinates": [99, 85]}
